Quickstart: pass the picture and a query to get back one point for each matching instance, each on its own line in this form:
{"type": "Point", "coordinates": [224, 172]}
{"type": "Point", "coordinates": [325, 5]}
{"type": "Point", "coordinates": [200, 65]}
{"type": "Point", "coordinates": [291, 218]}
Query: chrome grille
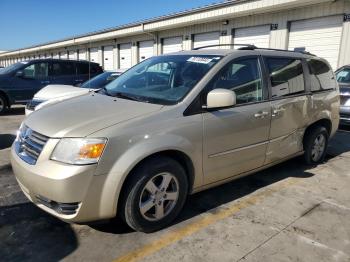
{"type": "Point", "coordinates": [29, 145]}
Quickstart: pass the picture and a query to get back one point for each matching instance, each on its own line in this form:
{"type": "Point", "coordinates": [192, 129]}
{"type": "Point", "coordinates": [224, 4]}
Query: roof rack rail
{"type": "Point", "coordinates": [253, 47]}
{"type": "Point", "coordinates": [243, 46]}
{"type": "Point", "coordinates": [286, 50]}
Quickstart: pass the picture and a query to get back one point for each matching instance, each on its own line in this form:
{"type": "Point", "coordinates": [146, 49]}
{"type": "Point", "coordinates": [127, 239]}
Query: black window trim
{"type": "Point", "coordinates": [196, 105]}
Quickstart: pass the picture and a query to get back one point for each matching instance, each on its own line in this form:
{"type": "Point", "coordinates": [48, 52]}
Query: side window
{"type": "Point", "coordinates": [321, 75]}
{"type": "Point", "coordinates": [95, 69]}
{"type": "Point", "coordinates": [36, 71]}
{"type": "Point", "coordinates": [82, 68]}
{"type": "Point", "coordinates": [286, 76]}
{"type": "Point", "coordinates": [62, 68]}
{"type": "Point", "coordinates": [243, 77]}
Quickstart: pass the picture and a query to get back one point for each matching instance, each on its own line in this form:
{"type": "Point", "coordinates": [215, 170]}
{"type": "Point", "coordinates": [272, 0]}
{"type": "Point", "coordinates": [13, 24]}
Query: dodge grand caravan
{"type": "Point", "coordinates": [20, 81]}
{"type": "Point", "coordinates": [171, 126]}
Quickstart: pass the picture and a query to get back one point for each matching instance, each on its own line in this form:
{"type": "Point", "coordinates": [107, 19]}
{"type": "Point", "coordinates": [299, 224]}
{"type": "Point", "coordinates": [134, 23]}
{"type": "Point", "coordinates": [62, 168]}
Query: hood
{"type": "Point", "coordinates": [56, 91]}
{"type": "Point", "coordinates": [84, 115]}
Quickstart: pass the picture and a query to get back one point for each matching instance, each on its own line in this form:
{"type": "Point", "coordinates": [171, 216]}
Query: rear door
{"type": "Point", "coordinates": [235, 139]}
{"type": "Point", "coordinates": [63, 72]}
{"type": "Point", "coordinates": [289, 104]}
{"type": "Point", "coordinates": [35, 77]}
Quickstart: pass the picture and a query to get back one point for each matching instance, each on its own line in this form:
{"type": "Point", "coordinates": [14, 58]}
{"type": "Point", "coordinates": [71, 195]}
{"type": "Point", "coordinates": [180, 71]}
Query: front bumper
{"type": "Point", "coordinates": [344, 115]}
{"type": "Point", "coordinates": [71, 193]}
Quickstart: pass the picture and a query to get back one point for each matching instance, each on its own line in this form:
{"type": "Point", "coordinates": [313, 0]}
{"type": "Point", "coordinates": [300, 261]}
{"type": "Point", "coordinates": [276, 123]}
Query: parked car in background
{"type": "Point", "coordinates": [20, 81]}
{"type": "Point", "coordinates": [171, 126]}
{"type": "Point", "coordinates": [52, 94]}
{"type": "Point", "coordinates": [343, 78]}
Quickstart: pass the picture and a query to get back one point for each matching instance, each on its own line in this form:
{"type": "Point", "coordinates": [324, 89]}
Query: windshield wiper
{"type": "Point", "coordinates": [126, 96]}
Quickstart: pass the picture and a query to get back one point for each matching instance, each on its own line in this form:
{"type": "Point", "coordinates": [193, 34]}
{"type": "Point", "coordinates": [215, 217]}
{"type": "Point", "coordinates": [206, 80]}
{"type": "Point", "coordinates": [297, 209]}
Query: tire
{"type": "Point", "coordinates": [3, 104]}
{"type": "Point", "coordinates": [140, 191]}
{"type": "Point", "coordinates": [315, 148]}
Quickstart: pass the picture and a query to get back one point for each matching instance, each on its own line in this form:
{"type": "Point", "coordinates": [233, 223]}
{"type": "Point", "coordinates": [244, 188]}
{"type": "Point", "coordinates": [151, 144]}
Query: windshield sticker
{"type": "Point", "coordinates": [201, 60]}
{"type": "Point", "coordinates": [343, 74]}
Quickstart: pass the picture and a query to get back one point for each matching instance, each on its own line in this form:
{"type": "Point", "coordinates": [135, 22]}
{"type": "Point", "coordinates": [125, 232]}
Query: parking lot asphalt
{"type": "Point", "coordinates": [290, 212]}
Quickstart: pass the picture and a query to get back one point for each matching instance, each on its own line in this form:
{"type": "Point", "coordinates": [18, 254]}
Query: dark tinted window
{"type": "Point", "coordinates": [243, 77]}
{"type": "Point", "coordinates": [36, 71]}
{"type": "Point", "coordinates": [286, 76]}
{"type": "Point", "coordinates": [62, 68]}
{"type": "Point", "coordinates": [83, 68]}
{"type": "Point", "coordinates": [95, 69]}
{"type": "Point", "coordinates": [321, 75]}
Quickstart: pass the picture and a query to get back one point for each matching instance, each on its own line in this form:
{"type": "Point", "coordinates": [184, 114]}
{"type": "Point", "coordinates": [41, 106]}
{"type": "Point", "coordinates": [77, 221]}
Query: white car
{"type": "Point", "coordinates": [53, 94]}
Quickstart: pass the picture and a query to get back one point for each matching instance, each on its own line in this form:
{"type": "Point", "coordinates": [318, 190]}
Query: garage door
{"type": "Point", "coordinates": [255, 35]}
{"type": "Point", "coordinates": [72, 55]}
{"type": "Point", "coordinates": [125, 56]}
{"type": "Point", "coordinates": [63, 55]}
{"type": "Point", "coordinates": [108, 59]}
{"type": "Point", "coordinates": [82, 54]}
{"type": "Point", "coordinates": [206, 39]}
{"type": "Point", "coordinates": [94, 55]}
{"type": "Point", "coordinates": [145, 50]}
{"type": "Point", "coordinates": [172, 44]}
{"type": "Point", "coordinates": [320, 36]}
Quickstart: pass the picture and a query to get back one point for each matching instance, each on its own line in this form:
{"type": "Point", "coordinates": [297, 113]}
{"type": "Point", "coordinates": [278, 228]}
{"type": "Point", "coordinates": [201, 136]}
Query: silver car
{"type": "Point", "coordinates": [171, 126]}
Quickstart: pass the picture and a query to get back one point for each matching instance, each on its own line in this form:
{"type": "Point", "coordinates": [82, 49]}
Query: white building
{"type": "Point", "coordinates": [321, 26]}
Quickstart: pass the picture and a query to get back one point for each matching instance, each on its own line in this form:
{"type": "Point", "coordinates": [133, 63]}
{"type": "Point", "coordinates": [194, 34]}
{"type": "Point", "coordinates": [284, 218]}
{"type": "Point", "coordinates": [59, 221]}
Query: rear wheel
{"type": "Point", "coordinates": [315, 145]}
{"type": "Point", "coordinates": [3, 104]}
{"type": "Point", "coordinates": [155, 194]}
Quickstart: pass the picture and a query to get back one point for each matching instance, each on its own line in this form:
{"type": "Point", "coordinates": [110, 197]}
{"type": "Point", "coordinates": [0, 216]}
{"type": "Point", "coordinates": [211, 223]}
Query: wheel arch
{"type": "Point", "coordinates": [325, 122]}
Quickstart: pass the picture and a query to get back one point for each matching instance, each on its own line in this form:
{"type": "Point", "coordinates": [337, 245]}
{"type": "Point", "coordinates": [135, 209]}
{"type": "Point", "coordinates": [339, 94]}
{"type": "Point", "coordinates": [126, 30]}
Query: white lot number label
{"type": "Point", "coordinates": [200, 60]}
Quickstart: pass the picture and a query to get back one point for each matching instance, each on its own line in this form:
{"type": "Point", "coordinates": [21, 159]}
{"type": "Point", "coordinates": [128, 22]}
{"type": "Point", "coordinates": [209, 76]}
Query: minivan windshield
{"type": "Point", "coordinates": [162, 79]}
{"type": "Point", "coordinates": [12, 68]}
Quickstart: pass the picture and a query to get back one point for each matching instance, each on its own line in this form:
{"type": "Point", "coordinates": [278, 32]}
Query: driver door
{"type": "Point", "coordinates": [235, 139]}
{"type": "Point", "coordinates": [35, 77]}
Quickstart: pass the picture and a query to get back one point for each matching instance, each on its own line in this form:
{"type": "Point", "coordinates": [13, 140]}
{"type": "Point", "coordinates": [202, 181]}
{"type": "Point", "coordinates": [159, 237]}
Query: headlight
{"type": "Point", "coordinates": [79, 151]}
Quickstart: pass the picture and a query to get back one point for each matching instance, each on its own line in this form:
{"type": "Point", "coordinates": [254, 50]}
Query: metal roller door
{"type": "Point", "coordinates": [320, 36]}
{"type": "Point", "coordinates": [125, 56]}
{"type": "Point", "coordinates": [108, 59]}
{"type": "Point", "coordinates": [212, 38]}
{"type": "Point", "coordinates": [145, 50]}
{"type": "Point", "coordinates": [82, 54]}
{"type": "Point", "coordinates": [172, 44]}
{"type": "Point", "coordinates": [256, 35]}
{"type": "Point", "coordinates": [63, 55]}
{"type": "Point", "coordinates": [94, 55]}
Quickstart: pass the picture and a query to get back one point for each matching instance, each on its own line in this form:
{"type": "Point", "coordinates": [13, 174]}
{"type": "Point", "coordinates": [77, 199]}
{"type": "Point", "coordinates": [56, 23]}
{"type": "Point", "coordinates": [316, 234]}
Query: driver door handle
{"type": "Point", "coordinates": [261, 114]}
{"type": "Point", "coordinates": [277, 111]}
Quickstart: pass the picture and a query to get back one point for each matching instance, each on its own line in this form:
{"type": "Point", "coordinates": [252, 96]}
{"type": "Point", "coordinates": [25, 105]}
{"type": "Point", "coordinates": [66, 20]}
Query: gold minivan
{"type": "Point", "coordinates": [171, 126]}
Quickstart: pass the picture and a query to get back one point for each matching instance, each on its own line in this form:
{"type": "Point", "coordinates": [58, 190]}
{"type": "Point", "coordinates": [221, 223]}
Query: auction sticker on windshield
{"type": "Point", "coordinates": [201, 60]}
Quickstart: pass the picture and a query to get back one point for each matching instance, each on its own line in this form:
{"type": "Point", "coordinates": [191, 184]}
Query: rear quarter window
{"type": "Point", "coordinates": [322, 77]}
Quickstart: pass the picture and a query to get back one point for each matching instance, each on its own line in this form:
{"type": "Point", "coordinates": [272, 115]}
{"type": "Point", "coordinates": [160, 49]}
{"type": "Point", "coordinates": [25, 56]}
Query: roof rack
{"type": "Point", "coordinates": [296, 50]}
{"type": "Point", "coordinates": [243, 46]}
{"type": "Point", "coordinates": [253, 47]}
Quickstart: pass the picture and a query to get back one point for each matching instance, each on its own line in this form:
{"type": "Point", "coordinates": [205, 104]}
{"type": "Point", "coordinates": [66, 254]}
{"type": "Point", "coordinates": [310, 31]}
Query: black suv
{"type": "Point", "coordinates": [20, 81]}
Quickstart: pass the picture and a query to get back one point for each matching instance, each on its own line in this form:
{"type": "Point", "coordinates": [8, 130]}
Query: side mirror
{"type": "Point", "coordinates": [19, 73]}
{"type": "Point", "coordinates": [221, 98]}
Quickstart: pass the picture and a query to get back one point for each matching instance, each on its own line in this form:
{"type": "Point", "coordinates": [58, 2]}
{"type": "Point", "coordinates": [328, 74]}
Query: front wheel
{"type": "Point", "coordinates": [154, 195]}
{"type": "Point", "coordinates": [315, 145]}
